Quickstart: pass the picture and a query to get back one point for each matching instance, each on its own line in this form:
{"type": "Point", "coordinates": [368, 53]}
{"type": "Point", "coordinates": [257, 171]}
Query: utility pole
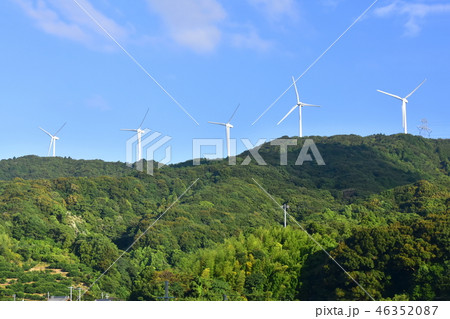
{"type": "Point", "coordinates": [79, 293]}
{"type": "Point", "coordinates": [166, 292]}
{"type": "Point", "coordinates": [285, 208]}
{"type": "Point", "coordinates": [71, 289]}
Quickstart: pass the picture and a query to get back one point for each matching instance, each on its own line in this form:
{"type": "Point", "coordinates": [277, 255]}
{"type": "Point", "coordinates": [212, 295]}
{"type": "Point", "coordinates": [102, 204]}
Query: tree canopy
{"type": "Point", "coordinates": [380, 207]}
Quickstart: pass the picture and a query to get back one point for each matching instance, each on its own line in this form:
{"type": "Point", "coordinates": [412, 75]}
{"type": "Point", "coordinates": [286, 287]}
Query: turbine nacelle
{"type": "Point", "coordinates": [53, 139]}
{"type": "Point", "coordinates": [299, 105]}
{"type": "Point", "coordinates": [228, 126]}
{"type": "Point", "coordinates": [404, 104]}
{"type": "Point", "coordinates": [139, 133]}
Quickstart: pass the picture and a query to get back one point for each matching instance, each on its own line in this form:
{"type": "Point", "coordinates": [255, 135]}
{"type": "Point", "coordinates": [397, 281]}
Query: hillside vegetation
{"type": "Point", "coordinates": [380, 207]}
{"type": "Point", "coordinates": [34, 167]}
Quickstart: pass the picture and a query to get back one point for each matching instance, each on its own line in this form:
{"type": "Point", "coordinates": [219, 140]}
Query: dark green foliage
{"type": "Point", "coordinates": [380, 206]}
{"type": "Point", "coordinates": [34, 167]}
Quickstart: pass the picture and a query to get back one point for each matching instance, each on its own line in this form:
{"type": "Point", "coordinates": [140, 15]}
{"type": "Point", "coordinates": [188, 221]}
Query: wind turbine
{"type": "Point", "coordinates": [300, 105]}
{"type": "Point", "coordinates": [404, 103]}
{"type": "Point", "coordinates": [54, 138]}
{"type": "Point", "coordinates": [139, 132]}
{"type": "Point", "coordinates": [227, 128]}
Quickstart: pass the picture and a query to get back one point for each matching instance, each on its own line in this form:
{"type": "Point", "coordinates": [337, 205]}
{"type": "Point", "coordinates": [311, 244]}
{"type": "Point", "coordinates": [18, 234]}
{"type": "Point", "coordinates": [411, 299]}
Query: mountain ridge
{"type": "Point", "coordinates": [222, 236]}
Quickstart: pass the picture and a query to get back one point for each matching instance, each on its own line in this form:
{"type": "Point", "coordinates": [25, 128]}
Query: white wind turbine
{"type": "Point", "coordinates": [300, 105]}
{"type": "Point", "coordinates": [227, 128]}
{"type": "Point", "coordinates": [139, 132]}
{"type": "Point", "coordinates": [404, 103]}
{"type": "Point", "coordinates": [54, 138]}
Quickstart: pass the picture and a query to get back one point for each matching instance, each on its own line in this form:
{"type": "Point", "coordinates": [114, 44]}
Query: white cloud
{"type": "Point", "coordinates": [192, 23]}
{"type": "Point", "coordinates": [66, 20]}
{"type": "Point", "coordinates": [415, 13]}
{"type": "Point", "coordinates": [250, 40]}
{"type": "Point", "coordinates": [276, 10]}
{"type": "Point", "coordinates": [200, 25]}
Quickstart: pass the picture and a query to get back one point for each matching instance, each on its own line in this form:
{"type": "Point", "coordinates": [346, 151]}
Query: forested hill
{"type": "Point", "coordinates": [380, 206]}
{"type": "Point", "coordinates": [34, 167]}
{"type": "Point", "coordinates": [372, 163]}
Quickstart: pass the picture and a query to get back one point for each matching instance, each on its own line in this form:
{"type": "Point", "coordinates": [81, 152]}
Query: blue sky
{"type": "Point", "coordinates": [58, 66]}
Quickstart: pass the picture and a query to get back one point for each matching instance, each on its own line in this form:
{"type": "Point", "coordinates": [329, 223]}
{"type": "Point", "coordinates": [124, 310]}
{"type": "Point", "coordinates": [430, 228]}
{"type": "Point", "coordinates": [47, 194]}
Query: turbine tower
{"type": "Point", "coordinates": [139, 131]}
{"type": "Point", "coordinates": [228, 126]}
{"type": "Point", "coordinates": [299, 105]}
{"type": "Point", "coordinates": [404, 103]}
{"type": "Point", "coordinates": [53, 140]}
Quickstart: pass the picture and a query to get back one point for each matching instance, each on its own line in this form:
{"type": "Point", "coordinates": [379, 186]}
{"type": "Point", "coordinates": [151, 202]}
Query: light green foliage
{"type": "Point", "coordinates": [380, 206]}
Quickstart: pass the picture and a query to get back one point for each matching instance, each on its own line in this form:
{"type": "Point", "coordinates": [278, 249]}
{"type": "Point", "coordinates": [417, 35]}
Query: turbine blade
{"type": "Point", "coordinates": [50, 147]}
{"type": "Point", "coordinates": [60, 129]}
{"type": "Point", "coordinates": [216, 123]}
{"type": "Point", "coordinates": [46, 132]}
{"type": "Point", "coordinates": [144, 118]}
{"type": "Point", "coordinates": [130, 130]}
{"type": "Point", "coordinates": [234, 113]}
{"type": "Point", "coordinates": [296, 91]}
{"type": "Point", "coordinates": [292, 110]}
{"type": "Point", "coordinates": [304, 104]}
{"type": "Point", "coordinates": [396, 96]}
{"type": "Point", "coordinates": [415, 89]}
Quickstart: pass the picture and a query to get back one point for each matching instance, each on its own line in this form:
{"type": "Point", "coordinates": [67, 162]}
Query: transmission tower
{"type": "Point", "coordinates": [424, 127]}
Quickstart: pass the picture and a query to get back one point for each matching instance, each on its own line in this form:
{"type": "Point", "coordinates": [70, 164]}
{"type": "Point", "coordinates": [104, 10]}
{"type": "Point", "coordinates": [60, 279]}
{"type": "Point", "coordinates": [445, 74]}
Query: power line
{"type": "Point", "coordinates": [134, 60]}
{"type": "Point", "coordinates": [316, 60]}
{"type": "Point", "coordinates": [316, 242]}
{"type": "Point", "coordinates": [141, 235]}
